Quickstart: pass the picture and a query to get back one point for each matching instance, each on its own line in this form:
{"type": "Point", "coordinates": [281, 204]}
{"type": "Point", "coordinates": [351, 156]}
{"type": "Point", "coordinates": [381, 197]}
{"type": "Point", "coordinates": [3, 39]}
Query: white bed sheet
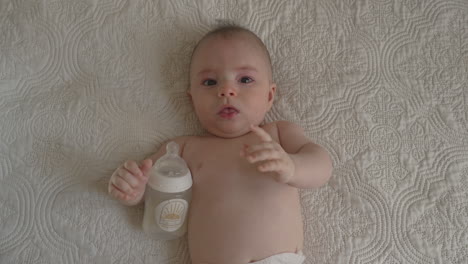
{"type": "Point", "coordinates": [382, 85]}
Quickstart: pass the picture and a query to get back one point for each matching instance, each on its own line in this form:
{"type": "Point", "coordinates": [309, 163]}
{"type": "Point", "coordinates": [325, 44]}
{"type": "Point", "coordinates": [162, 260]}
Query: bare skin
{"type": "Point", "coordinates": [245, 202]}
{"type": "Point", "coordinates": [238, 214]}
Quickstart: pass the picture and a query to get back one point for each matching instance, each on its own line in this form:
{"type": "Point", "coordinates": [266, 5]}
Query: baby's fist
{"type": "Point", "coordinates": [127, 184]}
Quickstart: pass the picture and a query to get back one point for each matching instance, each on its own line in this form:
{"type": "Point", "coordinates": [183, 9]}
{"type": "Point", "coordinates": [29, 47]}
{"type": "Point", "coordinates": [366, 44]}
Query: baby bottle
{"type": "Point", "coordinates": [167, 196]}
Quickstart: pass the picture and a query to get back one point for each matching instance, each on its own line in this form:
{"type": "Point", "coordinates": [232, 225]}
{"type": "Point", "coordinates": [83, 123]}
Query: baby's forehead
{"type": "Point", "coordinates": [237, 35]}
{"type": "Point", "coordinates": [245, 36]}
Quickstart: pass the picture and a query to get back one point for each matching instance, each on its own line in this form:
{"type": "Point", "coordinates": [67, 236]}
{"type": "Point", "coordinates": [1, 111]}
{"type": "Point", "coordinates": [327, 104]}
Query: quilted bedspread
{"type": "Point", "coordinates": [381, 84]}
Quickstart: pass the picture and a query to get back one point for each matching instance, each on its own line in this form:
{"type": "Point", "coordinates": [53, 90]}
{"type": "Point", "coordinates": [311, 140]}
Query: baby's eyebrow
{"type": "Point", "coordinates": [243, 68]}
{"type": "Point", "coordinates": [246, 68]}
{"type": "Point", "coordinates": [204, 72]}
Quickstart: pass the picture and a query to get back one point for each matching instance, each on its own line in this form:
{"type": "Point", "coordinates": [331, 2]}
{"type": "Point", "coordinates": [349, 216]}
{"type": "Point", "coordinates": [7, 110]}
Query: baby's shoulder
{"type": "Point", "coordinates": [277, 127]}
{"type": "Point", "coordinates": [284, 124]}
{"type": "Point", "coordinates": [288, 134]}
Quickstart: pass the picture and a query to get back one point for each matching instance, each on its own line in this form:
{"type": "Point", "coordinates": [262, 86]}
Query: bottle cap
{"type": "Point", "coordinates": [170, 173]}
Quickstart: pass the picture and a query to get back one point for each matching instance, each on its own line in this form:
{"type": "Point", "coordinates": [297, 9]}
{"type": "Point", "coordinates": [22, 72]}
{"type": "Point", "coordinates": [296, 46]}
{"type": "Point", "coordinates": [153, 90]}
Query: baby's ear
{"type": "Point", "coordinates": [189, 93]}
{"type": "Point", "coordinates": [271, 93]}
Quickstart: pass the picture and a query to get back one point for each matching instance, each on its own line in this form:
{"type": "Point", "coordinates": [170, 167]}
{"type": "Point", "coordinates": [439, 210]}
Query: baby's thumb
{"type": "Point", "coordinates": [146, 166]}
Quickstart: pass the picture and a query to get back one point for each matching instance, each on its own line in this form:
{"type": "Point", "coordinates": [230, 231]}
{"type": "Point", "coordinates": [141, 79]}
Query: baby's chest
{"type": "Point", "coordinates": [222, 177]}
{"type": "Point", "coordinates": [217, 160]}
{"type": "Point", "coordinates": [220, 163]}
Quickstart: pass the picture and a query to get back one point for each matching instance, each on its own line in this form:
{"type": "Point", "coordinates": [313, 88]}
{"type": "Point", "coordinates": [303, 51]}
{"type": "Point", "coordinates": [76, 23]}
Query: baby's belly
{"type": "Point", "coordinates": [242, 225]}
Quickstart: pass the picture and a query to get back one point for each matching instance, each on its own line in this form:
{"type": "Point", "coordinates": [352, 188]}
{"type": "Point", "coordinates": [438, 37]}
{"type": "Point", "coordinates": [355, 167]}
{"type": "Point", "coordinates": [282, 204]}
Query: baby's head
{"type": "Point", "coordinates": [231, 84]}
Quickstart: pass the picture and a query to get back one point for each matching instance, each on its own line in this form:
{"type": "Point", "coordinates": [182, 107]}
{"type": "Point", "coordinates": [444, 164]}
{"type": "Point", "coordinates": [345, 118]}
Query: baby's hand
{"type": "Point", "coordinates": [127, 184]}
{"type": "Point", "coordinates": [270, 156]}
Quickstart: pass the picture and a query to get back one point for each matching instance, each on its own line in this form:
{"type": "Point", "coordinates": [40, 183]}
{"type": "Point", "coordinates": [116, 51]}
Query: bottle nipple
{"type": "Point", "coordinates": [171, 164]}
{"type": "Point", "coordinates": [170, 173]}
{"type": "Point", "coordinates": [172, 149]}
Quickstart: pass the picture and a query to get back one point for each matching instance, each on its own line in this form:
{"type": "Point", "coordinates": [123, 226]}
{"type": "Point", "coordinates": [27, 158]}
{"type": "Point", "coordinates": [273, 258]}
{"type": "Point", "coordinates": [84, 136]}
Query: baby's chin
{"type": "Point", "coordinates": [228, 131]}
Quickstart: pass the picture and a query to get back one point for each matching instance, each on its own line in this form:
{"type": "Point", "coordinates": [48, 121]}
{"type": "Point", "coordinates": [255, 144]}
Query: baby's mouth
{"type": "Point", "coordinates": [228, 112]}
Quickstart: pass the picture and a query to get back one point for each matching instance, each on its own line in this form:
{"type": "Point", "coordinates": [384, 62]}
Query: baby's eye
{"type": "Point", "coordinates": [209, 82]}
{"type": "Point", "coordinates": [246, 80]}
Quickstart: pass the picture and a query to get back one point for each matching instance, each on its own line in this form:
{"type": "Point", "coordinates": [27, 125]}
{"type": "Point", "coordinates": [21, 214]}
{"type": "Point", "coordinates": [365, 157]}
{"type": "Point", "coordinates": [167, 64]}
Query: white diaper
{"type": "Point", "coordinates": [283, 258]}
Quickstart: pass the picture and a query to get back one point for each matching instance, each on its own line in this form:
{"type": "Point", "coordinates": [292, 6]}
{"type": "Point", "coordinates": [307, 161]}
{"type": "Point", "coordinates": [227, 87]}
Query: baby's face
{"type": "Point", "coordinates": [230, 84]}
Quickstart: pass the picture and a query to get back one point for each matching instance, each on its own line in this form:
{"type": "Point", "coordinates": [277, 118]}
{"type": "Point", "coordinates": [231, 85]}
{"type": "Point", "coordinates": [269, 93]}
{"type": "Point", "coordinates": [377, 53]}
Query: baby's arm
{"type": "Point", "coordinates": [128, 182]}
{"type": "Point", "coordinates": [294, 160]}
{"type": "Point", "coordinates": [313, 166]}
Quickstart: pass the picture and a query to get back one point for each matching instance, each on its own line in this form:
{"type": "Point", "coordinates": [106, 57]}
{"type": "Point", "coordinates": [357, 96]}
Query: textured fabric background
{"type": "Point", "coordinates": [382, 84]}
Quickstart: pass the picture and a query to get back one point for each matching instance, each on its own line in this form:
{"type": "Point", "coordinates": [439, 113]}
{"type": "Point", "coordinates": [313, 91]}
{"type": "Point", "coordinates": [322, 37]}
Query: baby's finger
{"type": "Point", "coordinates": [146, 166]}
{"type": "Point", "coordinates": [257, 147]}
{"type": "Point", "coordinates": [121, 184]}
{"type": "Point", "coordinates": [131, 179]}
{"type": "Point", "coordinates": [263, 154]}
{"type": "Point", "coordinates": [117, 193]}
{"type": "Point", "coordinates": [133, 168]}
{"type": "Point", "coordinates": [270, 165]}
{"type": "Point", "coordinates": [243, 151]}
{"type": "Point", "coordinates": [264, 136]}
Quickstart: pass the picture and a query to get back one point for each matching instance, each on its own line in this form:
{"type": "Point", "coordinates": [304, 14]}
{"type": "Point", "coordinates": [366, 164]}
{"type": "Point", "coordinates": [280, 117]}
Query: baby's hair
{"type": "Point", "coordinates": [229, 29]}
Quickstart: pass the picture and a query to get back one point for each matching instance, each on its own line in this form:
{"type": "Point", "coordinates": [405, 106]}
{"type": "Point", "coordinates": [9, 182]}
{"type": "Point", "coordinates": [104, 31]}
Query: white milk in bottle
{"type": "Point", "coordinates": [167, 196]}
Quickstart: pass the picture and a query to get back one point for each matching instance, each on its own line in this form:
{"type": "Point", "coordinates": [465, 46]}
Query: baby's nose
{"type": "Point", "coordinates": [227, 91]}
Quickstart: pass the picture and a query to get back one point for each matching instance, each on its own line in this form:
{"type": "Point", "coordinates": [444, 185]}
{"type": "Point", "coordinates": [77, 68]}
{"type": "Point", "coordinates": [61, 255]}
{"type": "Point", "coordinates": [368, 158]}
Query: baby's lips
{"type": "Point", "coordinates": [227, 108]}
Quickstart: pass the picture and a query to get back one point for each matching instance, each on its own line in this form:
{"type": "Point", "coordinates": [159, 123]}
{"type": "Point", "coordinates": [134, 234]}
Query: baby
{"type": "Point", "coordinates": [245, 202]}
